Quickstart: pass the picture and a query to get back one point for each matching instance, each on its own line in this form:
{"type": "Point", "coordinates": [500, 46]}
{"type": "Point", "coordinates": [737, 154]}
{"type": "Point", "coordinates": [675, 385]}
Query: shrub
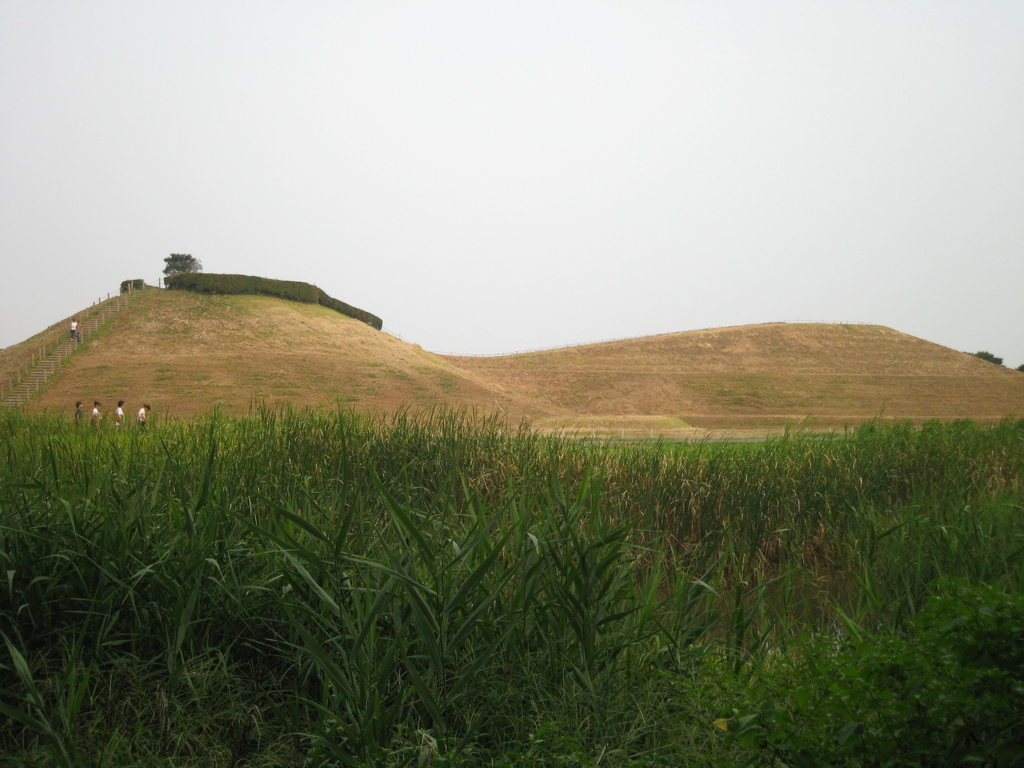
{"type": "Point", "coordinates": [282, 289]}
{"type": "Point", "coordinates": [987, 356]}
{"type": "Point", "coordinates": [950, 693]}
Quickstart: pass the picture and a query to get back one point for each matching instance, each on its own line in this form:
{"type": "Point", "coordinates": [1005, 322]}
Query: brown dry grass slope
{"type": "Point", "coordinates": [186, 353]}
{"type": "Point", "coordinates": [757, 376]}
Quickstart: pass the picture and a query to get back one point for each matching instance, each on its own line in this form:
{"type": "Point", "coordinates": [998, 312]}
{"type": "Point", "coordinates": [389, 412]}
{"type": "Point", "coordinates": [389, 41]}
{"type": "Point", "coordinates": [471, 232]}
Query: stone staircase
{"type": "Point", "coordinates": [45, 368]}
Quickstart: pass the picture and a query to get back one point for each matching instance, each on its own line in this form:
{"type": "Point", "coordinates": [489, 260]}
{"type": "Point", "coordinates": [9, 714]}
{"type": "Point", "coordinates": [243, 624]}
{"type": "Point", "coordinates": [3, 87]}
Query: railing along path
{"type": "Point", "coordinates": [47, 365]}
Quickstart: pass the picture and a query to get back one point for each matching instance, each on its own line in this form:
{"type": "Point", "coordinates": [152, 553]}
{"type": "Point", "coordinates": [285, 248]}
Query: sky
{"type": "Point", "coordinates": [493, 177]}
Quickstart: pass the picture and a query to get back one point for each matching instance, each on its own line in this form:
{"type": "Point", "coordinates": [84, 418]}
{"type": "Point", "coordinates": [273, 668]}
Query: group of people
{"type": "Point", "coordinates": [141, 418]}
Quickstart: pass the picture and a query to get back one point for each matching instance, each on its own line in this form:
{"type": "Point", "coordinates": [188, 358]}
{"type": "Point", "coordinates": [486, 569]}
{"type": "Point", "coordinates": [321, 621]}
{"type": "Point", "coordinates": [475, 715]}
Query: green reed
{"type": "Point", "coordinates": [340, 587]}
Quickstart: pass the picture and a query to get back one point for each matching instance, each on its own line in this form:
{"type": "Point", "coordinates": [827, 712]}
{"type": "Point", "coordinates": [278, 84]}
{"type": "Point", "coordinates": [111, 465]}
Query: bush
{"type": "Point", "coordinates": [987, 356]}
{"type": "Point", "coordinates": [950, 693]}
{"type": "Point", "coordinates": [282, 289]}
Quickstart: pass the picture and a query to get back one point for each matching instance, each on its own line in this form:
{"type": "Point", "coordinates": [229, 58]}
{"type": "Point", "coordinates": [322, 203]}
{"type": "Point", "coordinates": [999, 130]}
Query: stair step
{"type": "Point", "coordinates": [45, 367]}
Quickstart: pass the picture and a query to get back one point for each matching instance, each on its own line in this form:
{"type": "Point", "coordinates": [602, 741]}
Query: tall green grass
{"type": "Point", "coordinates": [328, 588]}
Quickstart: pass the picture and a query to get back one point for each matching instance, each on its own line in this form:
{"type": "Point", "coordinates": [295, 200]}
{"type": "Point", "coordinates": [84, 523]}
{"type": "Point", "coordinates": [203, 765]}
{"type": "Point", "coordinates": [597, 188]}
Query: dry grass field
{"type": "Point", "coordinates": [760, 376]}
{"type": "Point", "coordinates": [187, 353]}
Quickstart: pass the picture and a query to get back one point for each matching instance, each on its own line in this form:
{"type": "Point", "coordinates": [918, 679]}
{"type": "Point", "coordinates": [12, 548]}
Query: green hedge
{"type": "Point", "coordinates": [282, 289]}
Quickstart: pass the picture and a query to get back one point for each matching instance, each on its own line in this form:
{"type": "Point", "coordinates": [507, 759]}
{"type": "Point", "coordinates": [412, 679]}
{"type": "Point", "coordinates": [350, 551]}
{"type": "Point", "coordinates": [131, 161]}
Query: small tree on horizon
{"type": "Point", "coordinates": [177, 263]}
{"type": "Point", "coordinates": [1021, 368]}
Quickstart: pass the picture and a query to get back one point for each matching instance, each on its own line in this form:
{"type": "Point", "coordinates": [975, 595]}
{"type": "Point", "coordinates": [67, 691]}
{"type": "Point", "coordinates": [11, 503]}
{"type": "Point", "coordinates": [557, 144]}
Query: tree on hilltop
{"type": "Point", "coordinates": [1020, 368]}
{"type": "Point", "coordinates": [987, 356]}
{"type": "Point", "coordinates": [177, 263]}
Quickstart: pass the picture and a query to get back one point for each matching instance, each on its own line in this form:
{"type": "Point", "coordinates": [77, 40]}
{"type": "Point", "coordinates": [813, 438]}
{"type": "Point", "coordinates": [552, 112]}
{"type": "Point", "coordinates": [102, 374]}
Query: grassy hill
{"type": "Point", "coordinates": [757, 376]}
{"type": "Point", "coordinates": [186, 353]}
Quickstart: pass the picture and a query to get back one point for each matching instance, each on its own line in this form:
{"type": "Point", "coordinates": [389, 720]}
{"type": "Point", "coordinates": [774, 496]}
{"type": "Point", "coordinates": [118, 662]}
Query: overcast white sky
{"type": "Point", "coordinates": [489, 176]}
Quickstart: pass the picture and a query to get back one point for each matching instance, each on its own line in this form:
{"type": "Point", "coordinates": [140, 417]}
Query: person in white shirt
{"type": "Point", "coordinates": [119, 413]}
{"type": "Point", "coordinates": [142, 417]}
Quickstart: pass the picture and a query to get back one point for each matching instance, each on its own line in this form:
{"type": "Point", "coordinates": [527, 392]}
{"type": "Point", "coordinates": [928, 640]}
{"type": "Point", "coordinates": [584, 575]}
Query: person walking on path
{"type": "Point", "coordinates": [74, 329]}
{"type": "Point", "coordinates": [142, 417]}
{"type": "Point", "coordinates": [97, 417]}
{"type": "Point", "coordinates": [119, 413]}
